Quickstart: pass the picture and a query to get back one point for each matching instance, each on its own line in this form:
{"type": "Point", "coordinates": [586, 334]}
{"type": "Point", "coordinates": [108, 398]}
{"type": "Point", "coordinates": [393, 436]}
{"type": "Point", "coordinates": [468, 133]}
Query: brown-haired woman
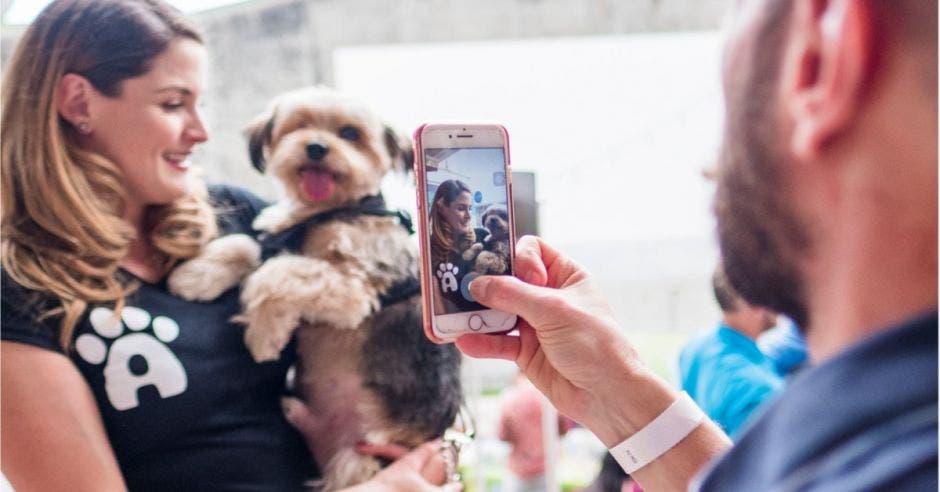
{"type": "Point", "coordinates": [108, 380]}
{"type": "Point", "coordinates": [452, 232]}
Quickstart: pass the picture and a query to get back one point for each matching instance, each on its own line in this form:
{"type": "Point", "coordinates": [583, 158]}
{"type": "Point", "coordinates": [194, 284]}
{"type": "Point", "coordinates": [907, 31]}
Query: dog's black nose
{"type": "Point", "coordinates": [316, 151]}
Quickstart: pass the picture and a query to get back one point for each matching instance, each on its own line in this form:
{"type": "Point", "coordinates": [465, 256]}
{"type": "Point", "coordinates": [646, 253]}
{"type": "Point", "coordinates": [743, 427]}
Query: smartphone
{"type": "Point", "coordinates": [465, 223]}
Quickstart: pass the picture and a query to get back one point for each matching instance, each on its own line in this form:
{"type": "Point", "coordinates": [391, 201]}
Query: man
{"type": "Point", "coordinates": [827, 212]}
{"type": "Point", "coordinates": [724, 371]}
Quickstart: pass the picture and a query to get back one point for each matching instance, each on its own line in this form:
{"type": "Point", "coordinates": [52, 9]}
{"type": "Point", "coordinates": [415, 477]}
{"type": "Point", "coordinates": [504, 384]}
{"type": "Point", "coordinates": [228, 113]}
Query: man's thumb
{"type": "Point", "coordinates": [509, 294]}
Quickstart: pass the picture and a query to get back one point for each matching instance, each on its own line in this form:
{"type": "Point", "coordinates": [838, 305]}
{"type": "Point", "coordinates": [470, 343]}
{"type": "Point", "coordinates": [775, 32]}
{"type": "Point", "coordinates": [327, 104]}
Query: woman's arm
{"type": "Point", "coordinates": [53, 436]}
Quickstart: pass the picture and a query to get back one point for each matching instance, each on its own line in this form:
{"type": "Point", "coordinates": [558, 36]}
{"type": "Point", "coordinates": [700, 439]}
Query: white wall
{"type": "Point", "coordinates": [617, 129]}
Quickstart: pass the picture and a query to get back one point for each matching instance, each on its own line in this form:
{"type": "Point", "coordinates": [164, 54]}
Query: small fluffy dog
{"type": "Point", "coordinates": [347, 285]}
{"type": "Point", "coordinates": [491, 256]}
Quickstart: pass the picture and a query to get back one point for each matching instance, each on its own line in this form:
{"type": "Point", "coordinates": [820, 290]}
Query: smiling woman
{"type": "Point", "coordinates": [105, 376]}
{"type": "Point", "coordinates": [109, 380]}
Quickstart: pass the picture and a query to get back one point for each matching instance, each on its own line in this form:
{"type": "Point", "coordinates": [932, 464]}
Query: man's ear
{"type": "Point", "coordinates": [72, 99]}
{"type": "Point", "coordinates": [827, 65]}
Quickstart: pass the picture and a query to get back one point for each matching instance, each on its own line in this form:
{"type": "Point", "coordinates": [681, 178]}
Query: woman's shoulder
{"type": "Point", "coordinates": [236, 207]}
{"type": "Point", "coordinates": [22, 315]}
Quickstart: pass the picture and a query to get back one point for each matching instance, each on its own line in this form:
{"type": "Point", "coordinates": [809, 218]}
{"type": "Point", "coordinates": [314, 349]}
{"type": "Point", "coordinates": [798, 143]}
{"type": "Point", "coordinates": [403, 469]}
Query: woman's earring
{"type": "Point", "coordinates": [84, 128]}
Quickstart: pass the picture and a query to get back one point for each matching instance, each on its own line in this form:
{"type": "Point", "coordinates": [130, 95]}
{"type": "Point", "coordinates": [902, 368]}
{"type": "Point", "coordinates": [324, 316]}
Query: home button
{"type": "Point", "coordinates": [475, 322]}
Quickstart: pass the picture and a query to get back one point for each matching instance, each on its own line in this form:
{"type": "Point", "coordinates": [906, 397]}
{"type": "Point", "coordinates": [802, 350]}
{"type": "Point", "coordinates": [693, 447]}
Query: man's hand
{"type": "Point", "coordinates": [569, 344]}
{"type": "Point", "coordinates": [570, 347]}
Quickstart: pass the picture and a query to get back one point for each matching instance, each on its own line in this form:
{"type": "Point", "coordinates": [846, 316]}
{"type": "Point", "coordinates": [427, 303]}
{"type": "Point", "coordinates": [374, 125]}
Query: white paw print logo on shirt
{"type": "Point", "coordinates": [447, 272]}
{"type": "Point", "coordinates": [163, 369]}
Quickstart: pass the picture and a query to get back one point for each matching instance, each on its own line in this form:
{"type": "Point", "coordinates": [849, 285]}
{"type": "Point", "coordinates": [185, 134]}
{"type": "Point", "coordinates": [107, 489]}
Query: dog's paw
{"type": "Point", "coordinates": [272, 219]}
{"type": "Point", "coordinates": [472, 251]}
{"type": "Point", "coordinates": [344, 309]}
{"type": "Point", "coordinates": [489, 263]}
{"type": "Point", "coordinates": [269, 329]}
{"type": "Point", "coordinates": [222, 265]}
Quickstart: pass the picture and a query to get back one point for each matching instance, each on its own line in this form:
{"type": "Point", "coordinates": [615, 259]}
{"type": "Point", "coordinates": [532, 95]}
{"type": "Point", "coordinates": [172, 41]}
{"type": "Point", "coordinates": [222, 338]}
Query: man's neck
{"type": "Point", "coordinates": [877, 268]}
{"type": "Point", "coordinates": [731, 320]}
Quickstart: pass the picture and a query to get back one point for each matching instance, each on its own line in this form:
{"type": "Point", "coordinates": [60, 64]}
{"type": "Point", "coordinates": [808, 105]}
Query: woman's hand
{"type": "Point", "coordinates": [422, 469]}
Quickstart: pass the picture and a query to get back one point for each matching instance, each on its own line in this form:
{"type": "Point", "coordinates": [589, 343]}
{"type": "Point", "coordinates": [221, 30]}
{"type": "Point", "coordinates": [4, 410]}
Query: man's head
{"type": "Point", "coordinates": [818, 125]}
{"type": "Point", "coordinates": [737, 313]}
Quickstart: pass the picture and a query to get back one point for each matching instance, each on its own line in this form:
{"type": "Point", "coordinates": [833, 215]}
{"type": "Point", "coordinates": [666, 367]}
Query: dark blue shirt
{"type": "Point", "coordinates": [864, 420]}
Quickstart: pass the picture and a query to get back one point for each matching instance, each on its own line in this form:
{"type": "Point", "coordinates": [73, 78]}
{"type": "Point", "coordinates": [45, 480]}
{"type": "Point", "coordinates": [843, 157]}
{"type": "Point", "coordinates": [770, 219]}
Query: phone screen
{"type": "Point", "coordinates": [469, 224]}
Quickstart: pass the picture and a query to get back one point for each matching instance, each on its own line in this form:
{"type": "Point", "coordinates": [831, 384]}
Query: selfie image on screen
{"type": "Point", "coordinates": [469, 222]}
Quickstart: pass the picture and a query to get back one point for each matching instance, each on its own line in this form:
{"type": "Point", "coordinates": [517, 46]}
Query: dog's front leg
{"type": "Point", "coordinates": [289, 289]}
{"type": "Point", "coordinates": [222, 265]}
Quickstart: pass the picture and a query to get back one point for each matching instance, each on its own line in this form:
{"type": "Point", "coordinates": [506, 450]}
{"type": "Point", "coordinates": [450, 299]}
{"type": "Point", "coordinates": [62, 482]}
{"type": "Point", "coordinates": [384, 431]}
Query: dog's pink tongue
{"type": "Point", "coordinates": [317, 185]}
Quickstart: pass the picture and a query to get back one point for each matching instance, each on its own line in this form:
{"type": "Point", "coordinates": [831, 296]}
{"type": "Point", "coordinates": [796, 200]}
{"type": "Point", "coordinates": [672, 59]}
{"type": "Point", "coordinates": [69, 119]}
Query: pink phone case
{"type": "Point", "coordinates": [422, 201]}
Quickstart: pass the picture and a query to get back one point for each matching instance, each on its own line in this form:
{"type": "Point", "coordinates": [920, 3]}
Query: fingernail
{"type": "Point", "coordinates": [478, 287]}
{"type": "Point", "coordinates": [531, 277]}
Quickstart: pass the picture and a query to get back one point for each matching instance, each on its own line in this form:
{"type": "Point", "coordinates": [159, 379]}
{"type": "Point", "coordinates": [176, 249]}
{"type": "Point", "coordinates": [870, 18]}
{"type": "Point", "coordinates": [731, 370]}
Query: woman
{"type": "Point", "coordinates": [452, 232]}
{"type": "Point", "coordinates": [108, 380]}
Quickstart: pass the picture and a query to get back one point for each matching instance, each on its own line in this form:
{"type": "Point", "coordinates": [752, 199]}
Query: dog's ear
{"type": "Point", "coordinates": [259, 138]}
{"type": "Point", "coordinates": [401, 151]}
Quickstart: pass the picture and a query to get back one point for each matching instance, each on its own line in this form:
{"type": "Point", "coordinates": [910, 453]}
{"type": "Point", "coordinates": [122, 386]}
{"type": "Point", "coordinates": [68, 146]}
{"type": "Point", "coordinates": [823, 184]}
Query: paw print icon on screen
{"type": "Point", "coordinates": [447, 272]}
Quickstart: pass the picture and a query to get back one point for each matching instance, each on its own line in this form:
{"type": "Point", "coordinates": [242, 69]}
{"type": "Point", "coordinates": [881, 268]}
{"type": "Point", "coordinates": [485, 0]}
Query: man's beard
{"type": "Point", "coordinates": [760, 237]}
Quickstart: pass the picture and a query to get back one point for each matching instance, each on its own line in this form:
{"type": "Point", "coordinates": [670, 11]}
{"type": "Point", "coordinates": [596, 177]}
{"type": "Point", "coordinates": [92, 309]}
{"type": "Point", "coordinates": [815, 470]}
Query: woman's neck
{"type": "Point", "coordinates": [142, 259]}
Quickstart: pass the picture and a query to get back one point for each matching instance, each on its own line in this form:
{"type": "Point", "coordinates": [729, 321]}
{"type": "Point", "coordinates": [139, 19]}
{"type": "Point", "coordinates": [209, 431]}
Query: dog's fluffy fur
{"type": "Point", "coordinates": [491, 255]}
{"type": "Point", "coordinates": [365, 373]}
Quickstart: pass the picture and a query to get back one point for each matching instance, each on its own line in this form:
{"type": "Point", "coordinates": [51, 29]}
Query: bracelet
{"type": "Point", "coordinates": [660, 435]}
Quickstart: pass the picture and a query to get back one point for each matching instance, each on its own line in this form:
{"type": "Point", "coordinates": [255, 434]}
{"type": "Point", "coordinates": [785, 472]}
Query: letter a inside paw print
{"type": "Point", "coordinates": [447, 272]}
{"type": "Point", "coordinates": [117, 340]}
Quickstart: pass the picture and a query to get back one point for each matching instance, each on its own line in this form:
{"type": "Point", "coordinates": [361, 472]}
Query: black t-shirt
{"type": "Point", "coordinates": [451, 278]}
{"type": "Point", "coordinates": [184, 404]}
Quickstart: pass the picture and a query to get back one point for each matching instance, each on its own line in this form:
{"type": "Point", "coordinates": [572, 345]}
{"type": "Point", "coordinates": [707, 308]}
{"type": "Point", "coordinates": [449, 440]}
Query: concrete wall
{"type": "Point", "coordinates": [261, 48]}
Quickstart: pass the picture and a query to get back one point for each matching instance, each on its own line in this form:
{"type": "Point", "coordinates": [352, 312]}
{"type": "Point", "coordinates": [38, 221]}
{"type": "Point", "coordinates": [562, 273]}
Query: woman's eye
{"type": "Point", "coordinates": [350, 133]}
{"type": "Point", "coordinates": [172, 105]}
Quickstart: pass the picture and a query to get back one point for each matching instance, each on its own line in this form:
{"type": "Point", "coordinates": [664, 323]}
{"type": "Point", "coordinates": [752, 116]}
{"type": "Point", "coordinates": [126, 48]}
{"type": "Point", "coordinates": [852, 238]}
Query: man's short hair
{"type": "Point", "coordinates": [725, 294]}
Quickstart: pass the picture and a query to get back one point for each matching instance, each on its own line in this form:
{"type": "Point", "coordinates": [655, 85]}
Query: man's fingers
{"type": "Point", "coordinates": [528, 261]}
{"type": "Point", "coordinates": [489, 346]}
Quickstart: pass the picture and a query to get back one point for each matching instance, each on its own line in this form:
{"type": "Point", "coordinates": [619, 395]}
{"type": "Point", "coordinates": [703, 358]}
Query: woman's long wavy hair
{"type": "Point", "coordinates": [442, 234]}
{"type": "Point", "coordinates": [61, 218]}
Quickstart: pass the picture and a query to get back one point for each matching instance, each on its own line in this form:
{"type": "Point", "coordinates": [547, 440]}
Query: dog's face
{"type": "Point", "coordinates": [326, 149]}
{"type": "Point", "coordinates": [496, 220]}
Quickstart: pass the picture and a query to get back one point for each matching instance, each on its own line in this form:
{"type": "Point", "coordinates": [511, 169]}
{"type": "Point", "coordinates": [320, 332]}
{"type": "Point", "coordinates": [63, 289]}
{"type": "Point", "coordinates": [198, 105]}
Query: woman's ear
{"type": "Point", "coordinates": [72, 101]}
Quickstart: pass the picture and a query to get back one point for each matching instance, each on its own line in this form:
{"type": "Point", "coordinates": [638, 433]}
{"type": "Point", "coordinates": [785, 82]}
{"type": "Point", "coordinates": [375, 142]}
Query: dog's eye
{"type": "Point", "coordinates": [349, 133]}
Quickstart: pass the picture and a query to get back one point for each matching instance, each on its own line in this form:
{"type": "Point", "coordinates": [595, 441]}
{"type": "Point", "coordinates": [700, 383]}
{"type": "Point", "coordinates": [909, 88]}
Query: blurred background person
{"type": "Point", "coordinates": [786, 347]}
{"type": "Point", "coordinates": [520, 425]}
{"type": "Point", "coordinates": [724, 371]}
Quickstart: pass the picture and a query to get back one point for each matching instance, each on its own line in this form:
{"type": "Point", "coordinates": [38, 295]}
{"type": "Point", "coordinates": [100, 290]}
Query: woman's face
{"type": "Point", "coordinates": [150, 129]}
{"type": "Point", "coordinates": [457, 214]}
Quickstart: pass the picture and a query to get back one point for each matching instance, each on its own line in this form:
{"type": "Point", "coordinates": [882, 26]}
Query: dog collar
{"type": "Point", "coordinates": [291, 239]}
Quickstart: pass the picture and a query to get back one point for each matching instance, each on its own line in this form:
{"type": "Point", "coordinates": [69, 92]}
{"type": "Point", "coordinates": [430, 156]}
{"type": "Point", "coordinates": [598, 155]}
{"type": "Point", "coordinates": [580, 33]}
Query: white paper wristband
{"type": "Point", "coordinates": [660, 435]}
